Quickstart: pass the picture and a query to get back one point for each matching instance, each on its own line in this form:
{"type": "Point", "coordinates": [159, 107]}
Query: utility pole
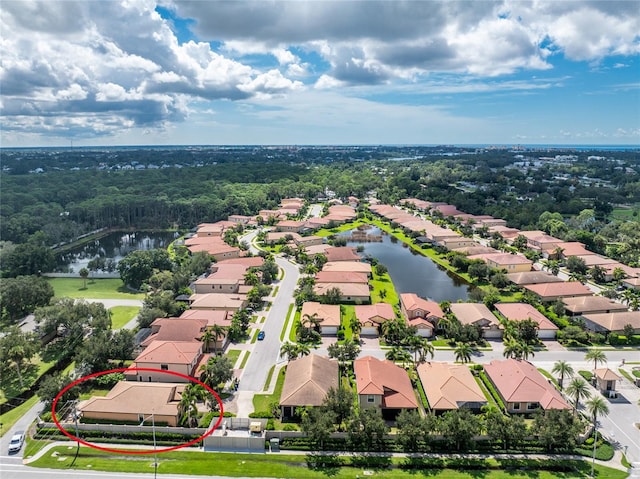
{"type": "Point", "coordinates": [76, 416]}
{"type": "Point", "coordinates": [155, 453]}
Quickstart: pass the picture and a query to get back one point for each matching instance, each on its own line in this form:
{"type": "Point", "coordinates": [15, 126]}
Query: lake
{"type": "Point", "coordinates": [113, 246]}
{"type": "Point", "coordinates": [413, 273]}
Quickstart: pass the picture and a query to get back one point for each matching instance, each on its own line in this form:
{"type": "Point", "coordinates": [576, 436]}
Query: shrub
{"type": "Point", "coordinates": [262, 414]}
{"type": "Point", "coordinates": [290, 427]}
{"type": "Point", "coordinates": [271, 425]}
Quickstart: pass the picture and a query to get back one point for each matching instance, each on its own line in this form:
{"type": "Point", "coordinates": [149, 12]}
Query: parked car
{"type": "Point", "coordinates": [17, 440]}
{"type": "Point", "coordinates": [260, 335]}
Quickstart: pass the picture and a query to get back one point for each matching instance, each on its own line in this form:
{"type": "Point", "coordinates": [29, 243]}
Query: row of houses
{"type": "Point", "coordinates": [600, 314]}
{"type": "Point", "coordinates": [384, 385]}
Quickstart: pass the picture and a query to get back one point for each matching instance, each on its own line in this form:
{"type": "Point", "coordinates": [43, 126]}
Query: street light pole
{"type": "Point", "coordinates": [155, 453]}
{"type": "Point", "coordinates": [595, 441]}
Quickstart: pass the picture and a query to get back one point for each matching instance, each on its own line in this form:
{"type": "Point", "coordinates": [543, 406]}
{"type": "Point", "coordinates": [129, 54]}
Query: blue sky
{"type": "Point", "coordinates": [319, 72]}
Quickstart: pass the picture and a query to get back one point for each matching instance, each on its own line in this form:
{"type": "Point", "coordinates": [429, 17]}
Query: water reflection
{"type": "Point", "coordinates": [113, 246]}
{"type": "Point", "coordinates": [413, 273]}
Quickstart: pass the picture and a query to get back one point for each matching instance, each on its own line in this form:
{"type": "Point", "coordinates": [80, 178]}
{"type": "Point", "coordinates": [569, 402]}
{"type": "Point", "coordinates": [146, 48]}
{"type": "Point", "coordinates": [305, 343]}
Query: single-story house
{"type": "Point", "coordinates": [474, 250]}
{"type": "Point", "coordinates": [213, 284]}
{"type": "Point", "coordinates": [239, 219]}
{"type": "Point", "coordinates": [371, 316]}
{"type": "Point", "coordinates": [306, 383]}
{"type": "Point", "coordinates": [349, 292]}
{"type": "Point", "coordinates": [590, 305]}
{"type": "Point", "coordinates": [450, 386]}
{"type": "Point", "coordinates": [135, 403]}
{"type": "Point", "coordinates": [219, 317]}
{"type": "Point", "coordinates": [523, 311]}
{"type": "Point", "coordinates": [477, 314]}
{"type": "Point", "coordinates": [209, 229]}
{"type": "Point", "coordinates": [568, 248]}
{"type": "Point", "coordinates": [348, 266]}
{"type": "Point", "coordinates": [458, 242]}
{"type": "Point", "coordinates": [532, 277]}
{"type": "Point", "coordinates": [383, 384]}
{"type": "Point", "coordinates": [631, 283]}
{"type": "Point", "coordinates": [550, 292]}
{"type": "Point", "coordinates": [329, 314]}
{"type": "Point", "coordinates": [612, 322]}
{"type": "Point", "coordinates": [220, 301]}
{"type": "Point", "coordinates": [421, 313]}
{"type": "Point", "coordinates": [178, 356]}
{"type": "Point", "coordinates": [521, 386]}
{"type": "Point", "coordinates": [341, 253]}
{"type": "Point", "coordinates": [606, 380]}
{"type": "Point", "coordinates": [341, 277]}
{"type": "Point", "coordinates": [306, 241]}
{"type": "Point", "coordinates": [246, 261]}
{"type": "Point", "coordinates": [290, 226]}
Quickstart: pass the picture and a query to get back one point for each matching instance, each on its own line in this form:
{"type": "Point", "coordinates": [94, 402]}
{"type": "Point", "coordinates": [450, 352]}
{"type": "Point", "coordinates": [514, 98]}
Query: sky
{"type": "Point", "coordinates": [244, 72]}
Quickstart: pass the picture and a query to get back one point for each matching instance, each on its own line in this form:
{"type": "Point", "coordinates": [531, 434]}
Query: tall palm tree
{"type": "Point", "coordinates": [188, 407]}
{"type": "Point", "coordinates": [289, 350]}
{"type": "Point", "coordinates": [218, 333]}
{"type": "Point", "coordinates": [398, 354]}
{"type": "Point", "coordinates": [512, 349]}
{"type": "Point", "coordinates": [206, 339]}
{"type": "Point", "coordinates": [463, 352]}
{"type": "Point", "coordinates": [562, 368]}
{"type": "Point", "coordinates": [311, 321]}
{"type": "Point", "coordinates": [356, 326]}
{"type": "Point", "coordinates": [526, 351]}
{"type": "Point", "coordinates": [420, 347]}
{"type": "Point", "coordinates": [597, 356]}
{"type": "Point", "coordinates": [578, 389]}
{"type": "Point", "coordinates": [596, 406]}
{"type": "Point", "coordinates": [303, 349]}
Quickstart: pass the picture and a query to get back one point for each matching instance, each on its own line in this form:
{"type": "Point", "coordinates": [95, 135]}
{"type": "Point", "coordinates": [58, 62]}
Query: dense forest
{"type": "Point", "coordinates": [53, 196]}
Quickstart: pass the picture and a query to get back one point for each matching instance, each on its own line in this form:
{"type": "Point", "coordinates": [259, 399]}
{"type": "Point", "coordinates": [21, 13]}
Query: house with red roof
{"type": "Point", "coordinates": [175, 329]}
{"type": "Point", "coordinates": [357, 293]}
{"type": "Point", "coordinates": [384, 385]}
{"type": "Point", "coordinates": [371, 317]}
{"type": "Point", "coordinates": [606, 380]}
{"type": "Point", "coordinates": [341, 253]}
{"type": "Point", "coordinates": [523, 311]}
{"type": "Point", "coordinates": [178, 356]}
{"type": "Point", "coordinates": [511, 263]}
{"type": "Point", "coordinates": [421, 313]}
{"type": "Point", "coordinates": [591, 305]}
{"type": "Point", "coordinates": [522, 388]}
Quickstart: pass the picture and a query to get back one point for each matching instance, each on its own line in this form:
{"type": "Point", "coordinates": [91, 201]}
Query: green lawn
{"type": "Point", "coordinates": [10, 384]}
{"type": "Point", "coordinates": [262, 402]}
{"type": "Point", "coordinates": [233, 355]}
{"type": "Point", "coordinates": [7, 420]}
{"type": "Point", "coordinates": [286, 322]}
{"type": "Point", "coordinates": [121, 315]}
{"type": "Point", "coordinates": [96, 289]}
{"type": "Point", "coordinates": [289, 465]}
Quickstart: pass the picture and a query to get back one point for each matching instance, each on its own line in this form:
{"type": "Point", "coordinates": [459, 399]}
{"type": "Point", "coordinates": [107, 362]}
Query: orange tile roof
{"type": "Point", "coordinates": [472, 313]}
{"type": "Point", "coordinates": [520, 381]}
{"type": "Point", "coordinates": [137, 398]}
{"type": "Point", "coordinates": [175, 329]}
{"type": "Point", "coordinates": [522, 311]}
{"type": "Point", "coordinates": [377, 377]}
{"type": "Point", "coordinates": [329, 313]}
{"type": "Point", "coordinates": [170, 352]}
{"type": "Point", "coordinates": [341, 253]}
{"type": "Point", "coordinates": [308, 379]}
{"type": "Point", "coordinates": [559, 289]}
{"type": "Point", "coordinates": [606, 374]}
{"type": "Point", "coordinates": [367, 312]}
{"type": "Point", "coordinates": [413, 302]}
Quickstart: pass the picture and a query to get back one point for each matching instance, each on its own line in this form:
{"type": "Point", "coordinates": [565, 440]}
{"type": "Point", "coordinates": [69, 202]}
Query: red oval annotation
{"type": "Point", "coordinates": [129, 451]}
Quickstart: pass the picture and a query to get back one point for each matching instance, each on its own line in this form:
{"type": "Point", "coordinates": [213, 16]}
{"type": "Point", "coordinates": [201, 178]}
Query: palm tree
{"type": "Point", "coordinates": [596, 406]}
{"type": "Point", "coordinates": [356, 326]}
{"type": "Point", "coordinates": [218, 333]}
{"type": "Point", "coordinates": [311, 321]}
{"type": "Point", "coordinates": [597, 356]}
{"type": "Point", "coordinates": [289, 350]}
{"type": "Point", "coordinates": [302, 349]}
{"type": "Point", "coordinates": [398, 354]}
{"type": "Point", "coordinates": [463, 352]}
{"type": "Point", "coordinates": [526, 351]}
{"type": "Point", "coordinates": [512, 349]}
{"type": "Point", "coordinates": [420, 348]}
{"type": "Point", "coordinates": [206, 338]}
{"type": "Point", "coordinates": [626, 296]}
{"type": "Point", "coordinates": [562, 368]}
{"type": "Point", "coordinates": [578, 389]}
{"type": "Point", "coordinates": [188, 407]}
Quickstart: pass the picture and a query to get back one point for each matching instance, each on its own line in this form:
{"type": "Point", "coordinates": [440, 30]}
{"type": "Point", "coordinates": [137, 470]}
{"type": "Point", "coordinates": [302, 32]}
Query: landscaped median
{"type": "Point", "coordinates": [311, 466]}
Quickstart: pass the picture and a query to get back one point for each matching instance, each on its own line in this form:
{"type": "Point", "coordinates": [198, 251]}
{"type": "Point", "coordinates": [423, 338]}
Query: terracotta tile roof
{"type": "Point", "coordinates": [356, 266]}
{"type": "Point", "coordinates": [502, 258]}
{"type": "Point", "coordinates": [307, 381]}
{"type": "Point", "coordinates": [449, 385]}
{"type": "Point", "coordinates": [376, 313]}
{"type": "Point", "coordinates": [341, 277]}
{"type": "Point", "coordinates": [532, 277]}
{"type": "Point", "coordinates": [606, 374]}
{"type": "Point", "coordinates": [341, 253]}
{"type": "Point", "coordinates": [615, 321]}
{"type": "Point", "coordinates": [248, 261]}
{"type": "Point", "coordinates": [137, 398]}
{"type": "Point", "coordinates": [377, 377]}
{"type": "Point", "coordinates": [212, 317]}
{"type": "Point", "coordinates": [412, 303]}
{"type": "Point", "coordinates": [559, 289]}
{"type": "Point", "coordinates": [475, 250]}
{"type": "Point", "coordinates": [522, 311]}
{"type": "Point", "coordinates": [175, 329]}
{"type": "Point", "coordinates": [520, 381]}
{"type": "Point", "coordinates": [170, 352]}
{"type": "Point", "coordinates": [347, 289]}
{"type": "Point", "coordinates": [329, 313]}
{"type": "Point", "coordinates": [570, 248]}
{"type": "Point", "coordinates": [218, 301]}
{"type": "Point", "coordinates": [596, 259]}
{"type": "Point", "coordinates": [473, 313]}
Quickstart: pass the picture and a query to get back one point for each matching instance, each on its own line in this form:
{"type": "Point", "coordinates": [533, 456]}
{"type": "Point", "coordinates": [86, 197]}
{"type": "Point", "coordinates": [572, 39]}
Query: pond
{"type": "Point", "coordinates": [113, 246]}
{"type": "Point", "coordinates": [411, 272]}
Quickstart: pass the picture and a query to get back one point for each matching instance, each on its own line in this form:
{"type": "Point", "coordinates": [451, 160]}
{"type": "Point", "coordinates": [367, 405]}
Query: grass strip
{"type": "Point", "coordinates": [121, 315]}
{"type": "Point", "coordinates": [494, 394]}
{"type": "Point", "coordinates": [233, 355]}
{"type": "Point", "coordinates": [244, 360]}
{"type": "Point", "coordinates": [286, 322]}
{"type": "Point", "coordinates": [8, 419]}
{"type": "Point", "coordinates": [320, 467]}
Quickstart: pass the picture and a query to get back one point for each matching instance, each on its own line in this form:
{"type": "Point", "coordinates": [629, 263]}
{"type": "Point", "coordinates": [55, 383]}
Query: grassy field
{"type": "Point", "coordinates": [296, 465]}
{"type": "Point", "coordinates": [30, 374]}
{"type": "Point", "coordinates": [121, 315]}
{"type": "Point", "coordinates": [96, 289]}
{"type": "Point", "coordinates": [626, 214]}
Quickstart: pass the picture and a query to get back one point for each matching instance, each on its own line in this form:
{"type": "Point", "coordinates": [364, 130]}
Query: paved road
{"type": "Point", "coordinates": [266, 353]}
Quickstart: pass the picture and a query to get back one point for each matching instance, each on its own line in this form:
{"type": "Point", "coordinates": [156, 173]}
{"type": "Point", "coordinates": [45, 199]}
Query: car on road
{"type": "Point", "coordinates": [17, 440]}
{"type": "Point", "coordinates": [260, 335]}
